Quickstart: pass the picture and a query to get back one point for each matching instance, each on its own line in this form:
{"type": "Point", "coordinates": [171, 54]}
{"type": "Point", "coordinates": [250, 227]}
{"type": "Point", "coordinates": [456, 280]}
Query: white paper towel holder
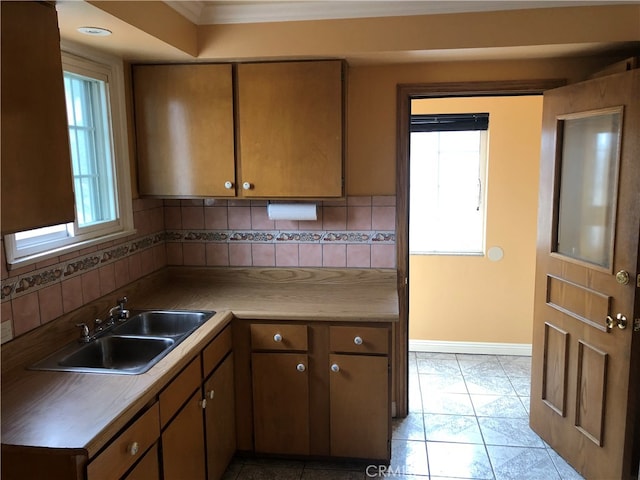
{"type": "Point", "coordinates": [292, 211]}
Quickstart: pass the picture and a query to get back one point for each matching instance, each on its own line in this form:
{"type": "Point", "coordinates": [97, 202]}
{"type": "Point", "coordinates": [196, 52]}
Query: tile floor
{"type": "Point", "coordinates": [468, 419]}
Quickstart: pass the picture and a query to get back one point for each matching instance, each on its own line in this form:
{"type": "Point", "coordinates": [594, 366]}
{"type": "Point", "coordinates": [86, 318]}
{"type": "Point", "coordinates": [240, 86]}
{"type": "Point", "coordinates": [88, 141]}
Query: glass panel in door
{"type": "Point", "coordinates": [590, 149]}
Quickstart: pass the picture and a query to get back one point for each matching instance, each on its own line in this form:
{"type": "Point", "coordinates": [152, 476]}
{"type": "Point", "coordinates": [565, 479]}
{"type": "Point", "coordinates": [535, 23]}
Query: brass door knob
{"type": "Point", "coordinates": [623, 277]}
{"type": "Point", "coordinates": [620, 321]}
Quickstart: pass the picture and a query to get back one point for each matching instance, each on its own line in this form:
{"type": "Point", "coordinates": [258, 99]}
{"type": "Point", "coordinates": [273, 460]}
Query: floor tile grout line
{"type": "Point", "coordinates": [424, 425]}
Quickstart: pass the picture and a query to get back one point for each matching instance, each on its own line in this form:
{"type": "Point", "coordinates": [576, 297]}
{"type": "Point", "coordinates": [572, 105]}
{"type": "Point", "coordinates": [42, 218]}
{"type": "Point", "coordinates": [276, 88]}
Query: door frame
{"type": "Point", "coordinates": [404, 94]}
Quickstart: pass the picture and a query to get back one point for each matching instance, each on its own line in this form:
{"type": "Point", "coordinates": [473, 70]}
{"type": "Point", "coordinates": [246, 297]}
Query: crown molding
{"type": "Point", "coordinates": [191, 10]}
{"type": "Point", "coordinates": [205, 12]}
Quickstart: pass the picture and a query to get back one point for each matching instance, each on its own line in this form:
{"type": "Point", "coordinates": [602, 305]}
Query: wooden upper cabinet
{"type": "Point", "coordinates": [37, 188]}
{"type": "Point", "coordinates": [184, 130]}
{"type": "Point", "coordinates": [290, 129]}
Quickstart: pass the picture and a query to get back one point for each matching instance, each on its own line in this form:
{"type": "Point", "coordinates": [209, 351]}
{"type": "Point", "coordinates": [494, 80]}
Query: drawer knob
{"type": "Point", "coordinates": [357, 340]}
{"type": "Point", "coordinates": [212, 394]}
{"type": "Point", "coordinates": [247, 186]}
{"type": "Point", "coordinates": [335, 368]}
{"type": "Point", "coordinates": [203, 403]}
{"type": "Point", "coordinates": [228, 185]}
{"type": "Point", "coordinates": [300, 367]}
{"type": "Point", "coordinates": [277, 337]}
{"type": "Point", "coordinates": [133, 448]}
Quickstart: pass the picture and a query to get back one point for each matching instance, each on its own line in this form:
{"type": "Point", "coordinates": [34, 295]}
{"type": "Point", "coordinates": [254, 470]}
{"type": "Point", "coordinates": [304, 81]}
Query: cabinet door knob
{"type": "Point", "coordinates": [277, 337]}
{"type": "Point", "coordinates": [300, 367]}
{"type": "Point", "coordinates": [212, 394]}
{"type": "Point", "coordinates": [357, 340]}
{"type": "Point", "coordinates": [335, 368]}
{"type": "Point", "coordinates": [203, 403]}
{"type": "Point", "coordinates": [246, 186]}
{"type": "Point", "coordinates": [133, 448]}
{"type": "Point", "coordinates": [228, 185]}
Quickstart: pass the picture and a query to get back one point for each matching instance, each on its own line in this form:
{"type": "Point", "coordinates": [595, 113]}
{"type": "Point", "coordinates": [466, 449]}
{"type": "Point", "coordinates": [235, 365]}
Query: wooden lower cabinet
{"type": "Point", "coordinates": [359, 405]}
{"type": "Point", "coordinates": [183, 453]}
{"type": "Point", "coordinates": [296, 388]}
{"type": "Point", "coordinates": [200, 440]}
{"type": "Point", "coordinates": [220, 422]}
{"type": "Point", "coordinates": [328, 395]}
{"type": "Point", "coordinates": [281, 403]}
{"type": "Point", "coordinates": [147, 468]}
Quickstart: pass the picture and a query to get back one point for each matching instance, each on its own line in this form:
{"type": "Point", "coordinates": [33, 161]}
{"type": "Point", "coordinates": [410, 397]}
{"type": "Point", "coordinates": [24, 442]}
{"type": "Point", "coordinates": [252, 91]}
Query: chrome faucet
{"type": "Point", "coordinates": [118, 312]}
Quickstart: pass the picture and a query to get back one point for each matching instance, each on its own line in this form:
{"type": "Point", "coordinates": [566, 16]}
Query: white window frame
{"type": "Point", "coordinates": [482, 197]}
{"type": "Point", "coordinates": [86, 62]}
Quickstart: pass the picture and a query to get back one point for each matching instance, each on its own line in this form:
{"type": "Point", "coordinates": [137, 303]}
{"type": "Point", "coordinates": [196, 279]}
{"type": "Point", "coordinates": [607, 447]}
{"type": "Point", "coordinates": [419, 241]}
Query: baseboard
{"type": "Point", "coordinates": [484, 348]}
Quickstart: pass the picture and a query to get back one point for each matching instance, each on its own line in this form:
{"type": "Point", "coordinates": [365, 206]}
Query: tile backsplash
{"type": "Point", "coordinates": [355, 233]}
{"type": "Point", "coordinates": [358, 232]}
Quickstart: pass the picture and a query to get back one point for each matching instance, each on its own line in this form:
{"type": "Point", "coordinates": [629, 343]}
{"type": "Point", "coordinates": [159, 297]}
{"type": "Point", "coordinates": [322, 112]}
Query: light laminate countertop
{"type": "Point", "coordinates": [74, 411]}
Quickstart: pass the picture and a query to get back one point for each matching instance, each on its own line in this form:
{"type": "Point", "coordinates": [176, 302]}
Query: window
{"type": "Point", "coordinates": [447, 170]}
{"type": "Point", "coordinates": [93, 91]}
{"type": "Point", "coordinates": [91, 158]}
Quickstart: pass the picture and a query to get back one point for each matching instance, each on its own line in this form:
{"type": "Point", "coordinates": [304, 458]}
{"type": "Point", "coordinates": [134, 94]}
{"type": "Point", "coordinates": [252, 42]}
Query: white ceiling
{"type": "Point", "coordinates": [208, 12]}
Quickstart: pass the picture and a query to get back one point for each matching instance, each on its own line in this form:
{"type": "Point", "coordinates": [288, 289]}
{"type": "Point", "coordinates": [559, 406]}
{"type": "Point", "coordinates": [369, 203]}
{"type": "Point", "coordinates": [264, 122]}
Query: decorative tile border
{"type": "Point", "coordinates": [14, 287]}
{"type": "Point", "coordinates": [36, 280]}
{"type": "Point", "coordinates": [276, 236]}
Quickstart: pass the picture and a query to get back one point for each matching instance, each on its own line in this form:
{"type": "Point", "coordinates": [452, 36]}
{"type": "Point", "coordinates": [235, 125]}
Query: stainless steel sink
{"type": "Point", "coordinates": [162, 323]}
{"type": "Point", "coordinates": [125, 354]}
{"type": "Point", "coordinates": [129, 348]}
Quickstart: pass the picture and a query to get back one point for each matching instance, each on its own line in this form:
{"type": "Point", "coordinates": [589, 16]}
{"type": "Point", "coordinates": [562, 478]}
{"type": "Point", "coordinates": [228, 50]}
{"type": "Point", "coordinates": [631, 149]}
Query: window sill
{"type": "Point", "coordinates": [40, 257]}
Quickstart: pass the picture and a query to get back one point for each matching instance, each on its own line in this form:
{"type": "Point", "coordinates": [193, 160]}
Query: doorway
{"type": "Point", "coordinates": [473, 216]}
{"type": "Point", "coordinates": [405, 95]}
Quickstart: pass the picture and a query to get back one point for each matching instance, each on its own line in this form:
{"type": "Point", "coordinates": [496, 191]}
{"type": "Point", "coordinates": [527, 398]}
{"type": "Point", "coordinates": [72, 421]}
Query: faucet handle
{"type": "Point", "coordinates": [84, 333]}
{"type": "Point", "coordinates": [122, 301]}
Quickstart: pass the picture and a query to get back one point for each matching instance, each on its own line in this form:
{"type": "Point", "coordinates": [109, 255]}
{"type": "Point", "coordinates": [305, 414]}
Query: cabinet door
{"type": "Point", "coordinates": [220, 422]}
{"type": "Point", "coordinates": [37, 186]}
{"type": "Point", "coordinates": [359, 403]}
{"type": "Point", "coordinates": [183, 453]}
{"type": "Point", "coordinates": [290, 129]}
{"type": "Point", "coordinates": [184, 130]}
{"type": "Point", "coordinates": [281, 403]}
{"type": "Point", "coordinates": [180, 388]}
{"type": "Point", "coordinates": [147, 468]}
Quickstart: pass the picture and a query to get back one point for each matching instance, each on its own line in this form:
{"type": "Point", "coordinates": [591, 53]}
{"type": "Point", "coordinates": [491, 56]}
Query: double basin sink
{"type": "Point", "coordinates": [131, 347]}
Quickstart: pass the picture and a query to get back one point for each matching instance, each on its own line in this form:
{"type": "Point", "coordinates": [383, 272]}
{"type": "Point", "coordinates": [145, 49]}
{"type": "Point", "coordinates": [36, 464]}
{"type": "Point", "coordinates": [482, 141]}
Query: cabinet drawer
{"type": "Point", "coordinates": [127, 448]}
{"type": "Point", "coordinates": [181, 388]}
{"type": "Point", "coordinates": [216, 350]}
{"type": "Point", "coordinates": [355, 339]}
{"type": "Point", "coordinates": [278, 337]}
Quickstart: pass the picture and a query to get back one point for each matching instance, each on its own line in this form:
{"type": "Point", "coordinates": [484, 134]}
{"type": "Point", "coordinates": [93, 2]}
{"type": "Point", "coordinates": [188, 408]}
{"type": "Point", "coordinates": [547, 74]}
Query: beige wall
{"type": "Point", "coordinates": [371, 107]}
{"type": "Point", "coordinates": [470, 298]}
